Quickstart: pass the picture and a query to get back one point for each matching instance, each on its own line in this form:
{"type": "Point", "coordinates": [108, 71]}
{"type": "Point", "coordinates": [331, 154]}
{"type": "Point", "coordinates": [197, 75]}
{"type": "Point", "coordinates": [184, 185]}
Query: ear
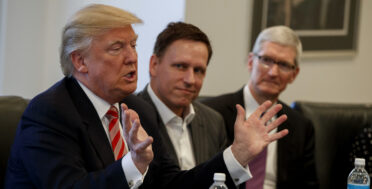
{"type": "Point", "coordinates": [77, 60]}
{"type": "Point", "coordinates": [294, 74]}
{"type": "Point", "coordinates": [250, 62]}
{"type": "Point", "coordinates": [154, 62]}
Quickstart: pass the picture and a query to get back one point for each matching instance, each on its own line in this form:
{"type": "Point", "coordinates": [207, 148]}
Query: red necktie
{"type": "Point", "coordinates": [258, 168]}
{"type": "Point", "coordinates": [117, 141]}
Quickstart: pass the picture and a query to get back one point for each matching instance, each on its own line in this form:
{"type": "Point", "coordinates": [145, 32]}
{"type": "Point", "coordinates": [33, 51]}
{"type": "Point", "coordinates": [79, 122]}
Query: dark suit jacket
{"type": "Point", "coordinates": [295, 160]}
{"type": "Point", "coordinates": [207, 131]}
{"type": "Point", "coordinates": [61, 143]}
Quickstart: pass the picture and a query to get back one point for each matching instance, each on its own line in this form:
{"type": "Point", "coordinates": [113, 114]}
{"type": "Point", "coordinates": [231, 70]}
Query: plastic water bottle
{"type": "Point", "coordinates": [219, 181]}
{"type": "Point", "coordinates": [358, 177]}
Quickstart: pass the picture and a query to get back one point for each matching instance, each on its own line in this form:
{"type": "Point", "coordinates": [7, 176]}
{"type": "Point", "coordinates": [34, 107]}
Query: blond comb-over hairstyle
{"type": "Point", "coordinates": [88, 22]}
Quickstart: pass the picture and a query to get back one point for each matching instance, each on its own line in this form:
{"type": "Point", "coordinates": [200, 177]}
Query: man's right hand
{"type": "Point", "coordinates": [137, 139]}
{"type": "Point", "coordinates": [251, 135]}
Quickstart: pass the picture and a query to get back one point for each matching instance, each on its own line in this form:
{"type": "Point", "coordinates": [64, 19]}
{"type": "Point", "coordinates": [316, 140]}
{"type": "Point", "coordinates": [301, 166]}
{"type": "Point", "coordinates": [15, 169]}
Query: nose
{"type": "Point", "coordinates": [130, 55]}
{"type": "Point", "coordinates": [274, 70]}
{"type": "Point", "coordinates": [189, 77]}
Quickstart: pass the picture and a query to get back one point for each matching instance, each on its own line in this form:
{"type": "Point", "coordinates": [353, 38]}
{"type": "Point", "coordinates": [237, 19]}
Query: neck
{"type": "Point", "coordinates": [261, 98]}
{"type": "Point", "coordinates": [178, 111]}
{"type": "Point", "coordinates": [95, 90]}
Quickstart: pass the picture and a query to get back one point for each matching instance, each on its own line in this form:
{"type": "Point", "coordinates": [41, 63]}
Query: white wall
{"type": "Point", "coordinates": [30, 40]}
{"type": "Point", "coordinates": [2, 39]}
{"type": "Point", "coordinates": [22, 48]}
{"type": "Point", "coordinates": [228, 24]}
{"type": "Point", "coordinates": [31, 33]}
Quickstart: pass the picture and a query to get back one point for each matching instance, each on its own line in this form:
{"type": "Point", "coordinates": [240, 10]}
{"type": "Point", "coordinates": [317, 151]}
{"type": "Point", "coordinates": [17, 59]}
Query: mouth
{"type": "Point", "coordinates": [131, 76]}
{"type": "Point", "coordinates": [187, 91]}
{"type": "Point", "coordinates": [272, 82]}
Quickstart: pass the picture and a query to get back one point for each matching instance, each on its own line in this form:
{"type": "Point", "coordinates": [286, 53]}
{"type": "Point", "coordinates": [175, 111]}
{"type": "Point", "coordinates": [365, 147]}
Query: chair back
{"type": "Point", "coordinates": [336, 125]}
{"type": "Point", "coordinates": [11, 110]}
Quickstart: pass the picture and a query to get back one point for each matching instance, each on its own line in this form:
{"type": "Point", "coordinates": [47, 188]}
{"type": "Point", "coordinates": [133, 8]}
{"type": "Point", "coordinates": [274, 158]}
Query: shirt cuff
{"type": "Point", "coordinates": [132, 174]}
{"type": "Point", "coordinates": [238, 173]}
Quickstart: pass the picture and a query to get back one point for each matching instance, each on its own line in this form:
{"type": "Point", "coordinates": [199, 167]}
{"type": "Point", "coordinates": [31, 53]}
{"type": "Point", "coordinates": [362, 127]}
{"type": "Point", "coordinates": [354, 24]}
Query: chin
{"type": "Point", "coordinates": [130, 91]}
{"type": "Point", "coordinates": [269, 93]}
{"type": "Point", "coordinates": [127, 91]}
{"type": "Point", "coordinates": [185, 103]}
{"type": "Point", "coordinates": [269, 89]}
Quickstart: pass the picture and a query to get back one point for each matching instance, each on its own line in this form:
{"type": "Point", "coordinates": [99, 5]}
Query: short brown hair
{"type": "Point", "coordinates": [180, 30]}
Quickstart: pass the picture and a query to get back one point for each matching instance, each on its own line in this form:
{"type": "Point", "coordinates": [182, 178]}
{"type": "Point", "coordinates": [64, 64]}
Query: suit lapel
{"type": "Point", "coordinates": [199, 145]}
{"type": "Point", "coordinates": [96, 133]}
{"type": "Point", "coordinates": [167, 142]}
{"type": "Point", "coordinates": [231, 113]}
{"type": "Point", "coordinates": [162, 130]}
{"type": "Point", "coordinates": [238, 97]}
{"type": "Point", "coordinates": [286, 147]}
{"type": "Point", "coordinates": [285, 141]}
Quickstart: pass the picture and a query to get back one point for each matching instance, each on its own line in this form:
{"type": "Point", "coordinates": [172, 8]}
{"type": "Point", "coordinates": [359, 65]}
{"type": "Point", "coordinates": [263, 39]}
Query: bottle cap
{"type": "Point", "coordinates": [219, 176]}
{"type": "Point", "coordinates": [359, 161]}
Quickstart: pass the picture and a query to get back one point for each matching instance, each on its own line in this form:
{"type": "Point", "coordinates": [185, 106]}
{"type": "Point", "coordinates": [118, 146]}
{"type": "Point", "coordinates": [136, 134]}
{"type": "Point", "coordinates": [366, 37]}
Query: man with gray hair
{"type": "Point", "coordinates": [274, 63]}
{"type": "Point", "coordinates": [71, 135]}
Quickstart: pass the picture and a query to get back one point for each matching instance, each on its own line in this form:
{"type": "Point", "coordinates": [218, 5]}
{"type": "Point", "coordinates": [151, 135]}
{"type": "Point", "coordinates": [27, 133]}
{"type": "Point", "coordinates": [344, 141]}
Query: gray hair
{"type": "Point", "coordinates": [282, 35]}
{"type": "Point", "coordinates": [87, 23]}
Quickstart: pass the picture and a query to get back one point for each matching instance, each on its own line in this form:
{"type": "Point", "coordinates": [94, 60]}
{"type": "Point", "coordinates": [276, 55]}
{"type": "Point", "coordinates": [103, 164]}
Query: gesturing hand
{"type": "Point", "coordinates": [251, 136]}
{"type": "Point", "coordinates": [137, 139]}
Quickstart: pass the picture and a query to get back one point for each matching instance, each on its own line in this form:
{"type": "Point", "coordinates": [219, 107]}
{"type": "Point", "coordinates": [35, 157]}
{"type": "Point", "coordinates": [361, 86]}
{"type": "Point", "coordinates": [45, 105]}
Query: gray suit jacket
{"type": "Point", "coordinates": [207, 131]}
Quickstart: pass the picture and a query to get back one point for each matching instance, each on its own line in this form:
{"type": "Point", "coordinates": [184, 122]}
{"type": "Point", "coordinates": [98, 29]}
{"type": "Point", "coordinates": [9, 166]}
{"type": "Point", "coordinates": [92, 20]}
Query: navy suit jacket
{"type": "Point", "coordinates": [295, 160]}
{"type": "Point", "coordinates": [61, 143]}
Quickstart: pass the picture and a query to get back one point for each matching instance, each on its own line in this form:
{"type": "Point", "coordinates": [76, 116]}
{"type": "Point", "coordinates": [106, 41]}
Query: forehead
{"type": "Point", "coordinates": [278, 51]}
{"type": "Point", "coordinates": [117, 34]}
{"type": "Point", "coordinates": [187, 50]}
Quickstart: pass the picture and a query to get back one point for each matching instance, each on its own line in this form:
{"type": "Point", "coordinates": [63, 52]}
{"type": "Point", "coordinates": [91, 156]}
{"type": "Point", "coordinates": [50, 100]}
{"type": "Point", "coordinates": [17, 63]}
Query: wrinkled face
{"type": "Point", "coordinates": [268, 82]}
{"type": "Point", "coordinates": [109, 66]}
{"type": "Point", "coordinates": [177, 77]}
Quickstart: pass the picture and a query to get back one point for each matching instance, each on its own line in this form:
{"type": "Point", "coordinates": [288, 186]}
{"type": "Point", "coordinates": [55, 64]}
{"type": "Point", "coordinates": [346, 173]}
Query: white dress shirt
{"type": "Point", "coordinates": [237, 172]}
{"type": "Point", "coordinates": [177, 130]}
{"type": "Point", "coordinates": [271, 162]}
{"type": "Point", "coordinates": [132, 174]}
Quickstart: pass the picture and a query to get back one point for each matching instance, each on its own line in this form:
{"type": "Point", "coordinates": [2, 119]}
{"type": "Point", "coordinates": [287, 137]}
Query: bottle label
{"type": "Point", "coordinates": [357, 186]}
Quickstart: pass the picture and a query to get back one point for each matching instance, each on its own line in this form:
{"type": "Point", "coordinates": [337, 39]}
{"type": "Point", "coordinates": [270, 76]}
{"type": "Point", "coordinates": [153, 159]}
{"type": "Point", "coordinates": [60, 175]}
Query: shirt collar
{"type": "Point", "coordinates": [165, 113]}
{"type": "Point", "coordinates": [249, 102]}
{"type": "Point", "coordinates": [99, 104]}
{"type": "Point", "coordinates": [191, 114]}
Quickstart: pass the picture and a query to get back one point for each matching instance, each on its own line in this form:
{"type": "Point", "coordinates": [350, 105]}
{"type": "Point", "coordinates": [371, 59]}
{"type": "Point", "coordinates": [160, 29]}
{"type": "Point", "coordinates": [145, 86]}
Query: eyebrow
{"type": "Point", "coordinates": [276, 60]}
{"type": "Point", "coordinates": [123, 42]}
{"type": "Point", "coordinates": [135, 37]}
